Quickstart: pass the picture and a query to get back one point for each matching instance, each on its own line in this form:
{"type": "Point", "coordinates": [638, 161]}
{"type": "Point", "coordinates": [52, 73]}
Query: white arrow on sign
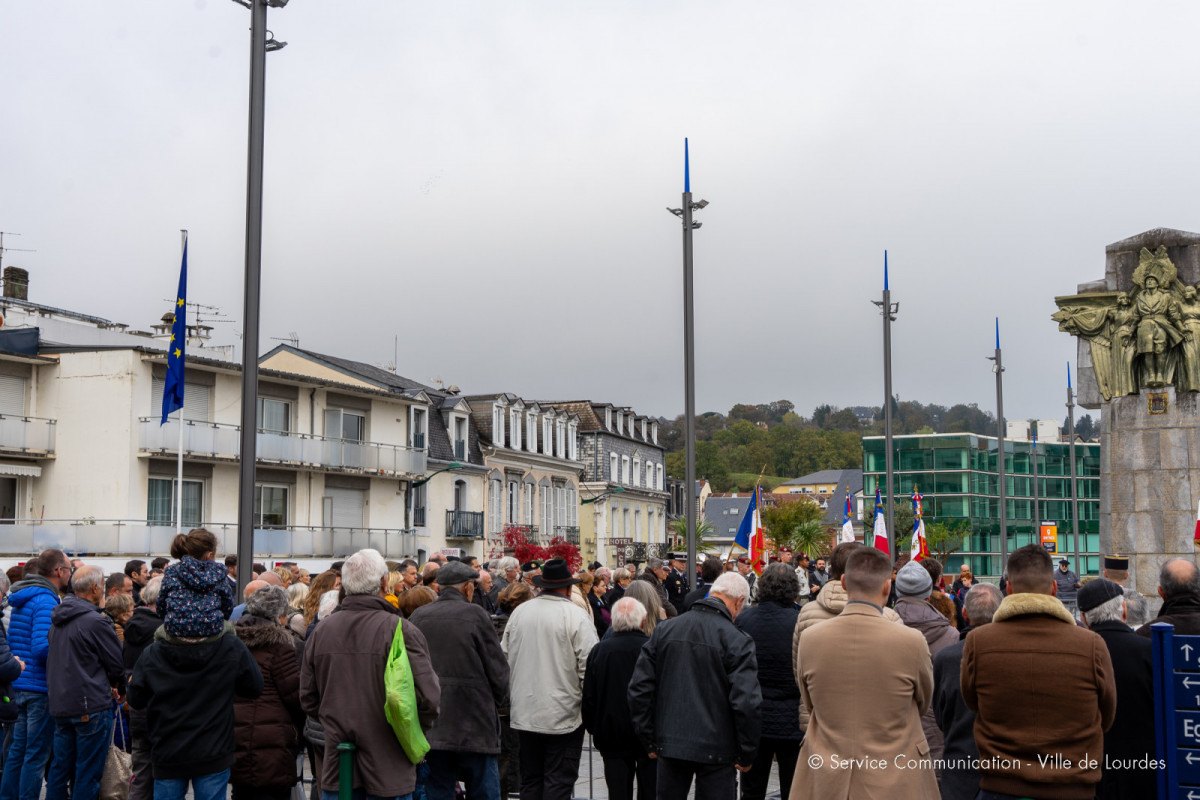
{"type": "Point", "coordinates": [1188, 684]}
{"type": "Point", "coordinates": [1192, 795]}
{"type": "Point", "coordinates": [1187, 656]}
{"type": "Point", "coordinates": [1190, 759]}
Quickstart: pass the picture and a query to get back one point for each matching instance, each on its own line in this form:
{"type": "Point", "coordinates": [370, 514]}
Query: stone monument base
{"type": "Point", "coordinates": [1149, 475]}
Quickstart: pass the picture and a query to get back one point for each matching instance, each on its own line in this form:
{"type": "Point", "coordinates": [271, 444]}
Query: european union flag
{"type": "Point", "coordinates": [173, 388]}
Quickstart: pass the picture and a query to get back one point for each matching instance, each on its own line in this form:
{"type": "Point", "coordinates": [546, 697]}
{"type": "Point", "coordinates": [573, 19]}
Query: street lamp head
{"type": "Point", "coordinates": [702, 204]}
{"type": "Point", "coordinates": [277, 3]}
{"type": "Point", "coordinates": [272, 45]}
{"type": "Point", "coordinates": [676, 211]}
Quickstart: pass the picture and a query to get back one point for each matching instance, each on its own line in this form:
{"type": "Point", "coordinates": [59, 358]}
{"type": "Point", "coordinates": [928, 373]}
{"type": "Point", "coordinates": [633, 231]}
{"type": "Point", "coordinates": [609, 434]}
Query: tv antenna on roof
{"type": "Point", "coordinates": [4, 249]}
{"type": "Point", "coordinates": [292, 338]}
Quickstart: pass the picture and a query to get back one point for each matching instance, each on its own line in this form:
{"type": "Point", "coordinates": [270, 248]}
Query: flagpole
{"type": "Point", "coordinates": [1071, 455]}
{"type": "Point", "coordinates": [183, 234]}
{"type": "Point", "coordinates": [888, 310]}
{"type": "Point", "coordinates": [998, 368]}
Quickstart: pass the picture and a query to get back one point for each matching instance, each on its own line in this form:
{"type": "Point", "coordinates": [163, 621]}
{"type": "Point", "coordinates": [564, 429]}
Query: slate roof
{"type": "Point", "coordinates": [717, 509]}
{"type": "Point", "coordinates": [821, 476]}
{"type": "Point", "coordinates": [852, 483]}
{"type": "Point", "coordinates": [368, 372]}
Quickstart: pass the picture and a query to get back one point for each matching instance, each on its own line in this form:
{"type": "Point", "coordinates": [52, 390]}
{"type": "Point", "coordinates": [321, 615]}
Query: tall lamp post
{"type": "Point", "coordinates": [998, 368]}
{"type": "Point", "coordinates": [261, 42]}
{"type": "Point", "coordinates": [1071, 455]}
{"type": "Point", "coordinates": [889, 310]}
{"type": "Point", "coordinates": [689, 351]}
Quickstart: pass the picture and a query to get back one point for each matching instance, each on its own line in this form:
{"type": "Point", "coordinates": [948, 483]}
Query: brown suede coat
{"type": "Point", "coordinates": [1044, 692]}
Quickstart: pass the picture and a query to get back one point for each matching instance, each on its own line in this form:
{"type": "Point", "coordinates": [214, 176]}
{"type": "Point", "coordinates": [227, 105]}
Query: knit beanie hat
{"type": "Point", "coordinates": [913, 581]}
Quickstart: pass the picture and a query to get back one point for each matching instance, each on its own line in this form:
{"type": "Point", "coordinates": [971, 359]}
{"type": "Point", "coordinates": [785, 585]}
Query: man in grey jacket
{"type": "Point", "coordinates": [83, 671]}
{"type": "Point", "coordinates": [467, 658]}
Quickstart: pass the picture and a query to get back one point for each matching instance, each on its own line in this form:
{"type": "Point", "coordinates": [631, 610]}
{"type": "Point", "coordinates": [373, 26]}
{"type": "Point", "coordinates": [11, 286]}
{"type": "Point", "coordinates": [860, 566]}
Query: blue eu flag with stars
{"type": "Point", "coordinates": [173, 388]}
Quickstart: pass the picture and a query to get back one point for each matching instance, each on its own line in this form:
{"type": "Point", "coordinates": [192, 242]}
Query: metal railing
{"type": "Point", "coordinates": [418, 441]}
{"type": "Point", "coordinates": [31, 435]}
{"type": "Point", "coordinates": [419, 517]}
{"type": "Point", "coordinates": [464, 524]}
{"type": "Point", "coordinates": [221, 441]}
{"type": "Point", "coordinates": [568, 532]}
{"type": "Point", "coordinates": [460, 450]}
{"type": "Point", "coordinates": [141, 537]}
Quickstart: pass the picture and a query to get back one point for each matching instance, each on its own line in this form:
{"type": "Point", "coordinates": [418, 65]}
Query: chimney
{"type": "Point", "coordinates": [16, 283]}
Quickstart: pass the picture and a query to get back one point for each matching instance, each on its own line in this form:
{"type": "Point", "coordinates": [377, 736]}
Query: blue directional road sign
{"type": "Point", "coordinates": [1177, 712]}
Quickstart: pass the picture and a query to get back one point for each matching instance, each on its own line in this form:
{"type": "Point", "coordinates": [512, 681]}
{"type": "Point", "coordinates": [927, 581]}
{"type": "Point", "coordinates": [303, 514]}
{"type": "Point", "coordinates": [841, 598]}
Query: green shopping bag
{"type": "Point", "coordinates": [400, 703]}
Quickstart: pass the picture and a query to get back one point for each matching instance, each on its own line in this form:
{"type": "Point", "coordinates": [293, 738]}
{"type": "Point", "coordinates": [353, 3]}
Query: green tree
{"type": "Point", "coordinates": [945, 538]}
{"type": "Point", "coordinates": [704, 534]}
{"type": "Point", "coordinates": [798, 525]}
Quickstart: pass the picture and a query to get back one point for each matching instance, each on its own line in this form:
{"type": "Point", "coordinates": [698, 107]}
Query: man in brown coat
{"type": "Point", "coordinates": [865, 682]}
{"type": "Point", "coordinates": [341, 682]}
{"type": "Point", "coordinates": [1042, 689]}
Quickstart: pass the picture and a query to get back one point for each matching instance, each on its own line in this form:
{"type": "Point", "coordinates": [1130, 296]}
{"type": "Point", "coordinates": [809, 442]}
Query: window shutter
{"type": "Point", "coordinates": [12, 395]}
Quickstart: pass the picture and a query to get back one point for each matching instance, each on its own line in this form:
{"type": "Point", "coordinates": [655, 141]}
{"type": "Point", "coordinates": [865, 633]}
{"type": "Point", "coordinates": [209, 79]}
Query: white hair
{"type": "Point", "coordinates": [1107, 611]}
{"type": "Point", "coordinates": [362, 573]}
{"type": "Point", "coordinates": [329, 601]}
{"type": "Point", "coordinates": [628, 615]}
{"type": "Point", "coordinates": [151, 589]}
{"type": "Point", "coordinates": [297, 593]}
{"type": "Point", "coordinates": [731, 585]}
{"type": "Point", "coordinates": [86, 578]}
{"type": "Point", "coordinates": [507, 563]}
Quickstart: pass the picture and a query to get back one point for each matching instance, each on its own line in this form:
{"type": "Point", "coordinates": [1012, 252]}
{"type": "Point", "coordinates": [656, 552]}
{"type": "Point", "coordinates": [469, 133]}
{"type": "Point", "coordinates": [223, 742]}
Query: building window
{"type": "Point", "coordinates": [160, 509]}
{"type": "Point", "coordinates": [608, 419]}
{"type": "Point", "coordinates": [531, 432]}
{"type": "Point", "coordinates": [530, 502]}
{"type": "Point", "coordinates": [195, 400]}
{"type": "Point", "coordinates": [572, 441]}
{"type": "Point", "coordinates": [270, 506]}
{"type": "Point", "coordinates": [613, 475]}
{"type": "Point", "coordinates": [637, 472]}
{"type": "Point", "coordinates": [498, 426]}
{"type": "Point", "coordinates": [274, 416]}
{"type": "Point", "coordinates": [643, 430]}
{"type": "Point", "coordinates": [418, 428]}
{"type": "Point", "coordinates": [419, 497]}
{"type": "Point", "coordinates": [659, 469]}
{"type": "Point", "coordinates": [547, 506]}
{"type": "Point", "coordinates": [547, 435]}
{"type": "Point", "coordinates": [626, 530]}
{"type": "Point", "coordinates": [514, 503]}
{"type": "Point", "coordinates": [637, 523]}
{"type": "Point", "coordinates": [624, 469]}
{"type": "Point", "coordinates": [654, 432]}
{"type": "Point", "coordinates": [560, 429]}
{"type": "Point", "coordinates": [620, 422]}
{"type": "Point", "coordinates": [346, 425]}
{"type": "Point", "coordinates": [496, 504]}
{"type": "Point", "coordinates": [612, 523]}
{"type": "Point", "coordinates": [460, 439]}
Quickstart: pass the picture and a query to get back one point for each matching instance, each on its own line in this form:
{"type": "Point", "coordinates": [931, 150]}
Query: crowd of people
{"type": "Point", "coordinates": [857, 677]}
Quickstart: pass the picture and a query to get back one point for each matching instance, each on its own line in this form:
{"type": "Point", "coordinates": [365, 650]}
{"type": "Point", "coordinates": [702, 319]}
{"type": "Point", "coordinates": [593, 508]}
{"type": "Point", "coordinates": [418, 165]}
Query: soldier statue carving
{"type": "Point", "coordinates": [1144, 339]}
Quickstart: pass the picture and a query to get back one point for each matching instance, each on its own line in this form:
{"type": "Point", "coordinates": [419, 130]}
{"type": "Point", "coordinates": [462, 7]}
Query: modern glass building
{"type": "Point", "coordinates": [958, 478]}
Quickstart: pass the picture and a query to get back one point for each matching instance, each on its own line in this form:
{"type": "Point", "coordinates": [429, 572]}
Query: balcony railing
{"type": "Point", "coordinates": [27, 435]}
{"type": "Point", "coordinates": [464, 524]}
{"type": "Point", "coordinates": [418, 441]}
{"type": "Point", "coordinates": [568, 532]}
{"type": "Point", "coordinates": [141, 538]}
{"type": "Point", "coordinates": [419, 517]}
{"type": "Point", "coordinates": [221, 441]}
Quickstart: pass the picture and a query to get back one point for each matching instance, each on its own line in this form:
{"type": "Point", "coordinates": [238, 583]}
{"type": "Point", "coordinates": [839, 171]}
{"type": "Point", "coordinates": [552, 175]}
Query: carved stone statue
{"type": "Point", "coordinates": [1145, 339]}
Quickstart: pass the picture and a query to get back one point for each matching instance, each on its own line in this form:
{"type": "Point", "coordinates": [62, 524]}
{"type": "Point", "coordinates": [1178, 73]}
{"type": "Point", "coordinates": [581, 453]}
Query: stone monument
{"type": "Point", "coordinates": [1139, 363]}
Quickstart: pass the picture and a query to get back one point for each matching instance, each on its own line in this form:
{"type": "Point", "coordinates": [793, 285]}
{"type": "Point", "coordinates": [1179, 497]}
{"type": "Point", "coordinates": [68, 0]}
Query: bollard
{"type": "Point", "coordinates": [346, 770]}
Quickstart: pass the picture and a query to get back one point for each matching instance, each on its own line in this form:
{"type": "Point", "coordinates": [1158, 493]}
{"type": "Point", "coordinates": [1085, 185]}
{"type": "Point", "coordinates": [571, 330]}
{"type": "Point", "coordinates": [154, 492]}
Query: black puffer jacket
{"type": "Point", "coordinates": [770, 625]}
{"type": "Point", "coordinates": [699, 654]}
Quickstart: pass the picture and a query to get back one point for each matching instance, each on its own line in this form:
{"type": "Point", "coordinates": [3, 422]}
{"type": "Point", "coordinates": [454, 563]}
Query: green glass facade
{"type": "Point", "coordinates": [958, 478]}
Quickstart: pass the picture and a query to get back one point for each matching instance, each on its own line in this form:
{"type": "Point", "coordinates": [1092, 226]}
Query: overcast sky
{"type": "Point", "coordinates": [488, 182]}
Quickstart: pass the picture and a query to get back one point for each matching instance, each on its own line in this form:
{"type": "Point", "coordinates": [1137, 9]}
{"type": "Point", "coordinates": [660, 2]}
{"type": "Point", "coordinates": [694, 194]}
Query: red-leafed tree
{"type": "Point", "coordinates": [516, 539]}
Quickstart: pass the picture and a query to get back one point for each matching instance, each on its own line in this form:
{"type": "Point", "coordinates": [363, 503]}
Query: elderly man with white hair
{"type": "Point", "coordinates": [699, 654]}
{"type": "Point", "coordinates": [341, 682]}
{"type": "Point", "coordinates": [606, 709]}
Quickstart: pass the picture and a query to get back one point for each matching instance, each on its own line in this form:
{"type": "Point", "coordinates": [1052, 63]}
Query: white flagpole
{"type": "Point", "coordinates": [179, 422]}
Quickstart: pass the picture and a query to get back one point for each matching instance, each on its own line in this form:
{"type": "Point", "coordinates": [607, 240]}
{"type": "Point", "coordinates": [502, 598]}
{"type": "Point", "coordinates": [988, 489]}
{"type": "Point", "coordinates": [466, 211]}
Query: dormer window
{"type": "Point", "coordinates": [547, 435]}
{"type": "Point", "coordinates": [620, 422]}
{"type": "Point", "coordinates": [498, 426]}
{"type": "Point", "coordinates": [654, 432]}
{"type": "Point", "coordinates": [531, 432]}
{"type": "Point", "coordinates": [643, 429]}
{"type": "Point", "coordinates": [608, 419]}
{"type": "Point", "coordinates": [515, 429]}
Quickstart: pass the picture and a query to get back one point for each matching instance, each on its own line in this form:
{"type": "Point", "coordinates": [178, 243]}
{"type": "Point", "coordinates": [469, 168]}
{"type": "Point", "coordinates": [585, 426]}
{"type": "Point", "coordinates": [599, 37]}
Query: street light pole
{"type": "Point", "coordinates": [1071, 455]}
{"type": "Point", "coordinates": [260, 43]}
{"type": "Point", "coordinates": [689, 356]}
{"type": "Point", "coordinates": [998, 368]}
{"type": "Point", "coordinates": [889, 311]}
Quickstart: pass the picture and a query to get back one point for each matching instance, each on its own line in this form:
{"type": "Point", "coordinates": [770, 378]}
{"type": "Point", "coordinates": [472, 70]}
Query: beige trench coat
{"type": "Point", "coordinates": [866, 683]}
